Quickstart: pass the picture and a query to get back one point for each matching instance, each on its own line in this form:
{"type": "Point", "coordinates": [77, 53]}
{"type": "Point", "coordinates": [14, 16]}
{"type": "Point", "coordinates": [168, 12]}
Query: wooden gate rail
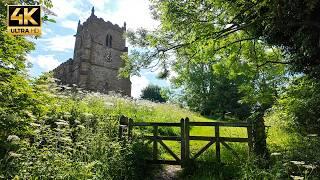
{"type": "Point", "coordinates": [185, 138]}
{"type": "Point", "coordinates": [217, 139]}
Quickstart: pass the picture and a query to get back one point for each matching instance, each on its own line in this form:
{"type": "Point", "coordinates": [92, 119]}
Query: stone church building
{"type": "Point", "coordinates": [96, 60]}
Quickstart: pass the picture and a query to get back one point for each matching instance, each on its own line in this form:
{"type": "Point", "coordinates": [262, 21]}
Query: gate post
{"type": "Point", "coordinates": [155, 143]}
{"type": "Point", "coordinates": [217, 135]}
{"type": "Point", "coordinates": [123, 123]}
{"type": "Point", "coordinates": [249, 132]}
{"type": "Point", "coordinates": [187, 138]}
{"type": "Point", "coordinates": [183, 143]}
{"type": "Point", "coordinates": [130, 126]}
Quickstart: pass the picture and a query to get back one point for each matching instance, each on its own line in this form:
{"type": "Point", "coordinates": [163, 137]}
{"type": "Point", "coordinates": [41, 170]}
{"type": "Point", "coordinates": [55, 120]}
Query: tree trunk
{"type": "Point", "coordinates": [259, 135]}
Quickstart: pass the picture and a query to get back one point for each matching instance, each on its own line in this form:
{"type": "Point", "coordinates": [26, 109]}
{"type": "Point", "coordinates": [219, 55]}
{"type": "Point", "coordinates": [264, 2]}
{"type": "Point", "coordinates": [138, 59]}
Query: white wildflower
{"type": "Point", "coordinates": [275, 154]}
{"type": "Point", "coordinates": [81, 126]}
{"type": "Point", "coordinates": [298, 162]}
{"type": "Point", "coordinates": [309, 166]}
{"type": "Point", "coordinates": [296, 177]}
{"type": "Point", "coordinates": [13, 138]}
{"type": "Point", "coordinates": [35, 124]}
{"type": "Point", "coordinates": [110, 104]}
{"type": "Point", "coordinates": [312, 135]}
{"type": "Point", "coordinates": [62, 123]}
{"type": "Point", "coordinates": [13, 154]}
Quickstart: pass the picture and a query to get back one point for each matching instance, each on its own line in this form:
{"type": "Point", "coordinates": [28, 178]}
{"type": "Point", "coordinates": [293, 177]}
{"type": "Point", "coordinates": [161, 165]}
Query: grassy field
{"type": "Point", "coordinates": [279, 139]}
{"type": "Point", "coordinates": [80, 136]}
{"type": "Point", "coordinates": [286, 145]}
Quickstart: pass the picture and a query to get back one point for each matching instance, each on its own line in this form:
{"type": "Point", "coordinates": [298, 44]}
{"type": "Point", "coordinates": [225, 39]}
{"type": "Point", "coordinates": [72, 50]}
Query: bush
{"type": "Point", "coordinates": [153, 93]}
{"type": "Point", "coordinates": [302, 101]}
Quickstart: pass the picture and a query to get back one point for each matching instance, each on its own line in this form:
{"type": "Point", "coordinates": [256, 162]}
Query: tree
{"type": "Point", "coordinates": [292, 25]}
{"type": "Point", "coordinates": [21, 99]}
{"type": "Point", "coordinates": [153, 93]}
{"type": "Point", "coordinates": [209, 91]}
{"type": "Point", "coordinates": [301, 100]}
{"type": "Point", "coordinates": [214, 33]}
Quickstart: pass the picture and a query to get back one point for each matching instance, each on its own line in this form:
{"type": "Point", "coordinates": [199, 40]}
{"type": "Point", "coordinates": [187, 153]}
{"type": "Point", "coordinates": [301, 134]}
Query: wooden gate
{"type": "Point", "coordinates": [127, 125]}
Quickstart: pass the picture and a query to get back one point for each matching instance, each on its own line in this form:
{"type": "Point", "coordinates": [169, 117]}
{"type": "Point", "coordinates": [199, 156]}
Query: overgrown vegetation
{"type": "Point", "coordinates": [238, 62]}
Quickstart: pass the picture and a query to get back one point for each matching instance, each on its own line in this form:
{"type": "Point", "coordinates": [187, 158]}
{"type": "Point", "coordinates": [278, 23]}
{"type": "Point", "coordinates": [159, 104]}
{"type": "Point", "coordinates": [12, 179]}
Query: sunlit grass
{"type": "Point", "coordinates": [144, 111]}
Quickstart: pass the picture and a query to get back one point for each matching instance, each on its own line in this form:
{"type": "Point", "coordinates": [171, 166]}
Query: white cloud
{"type": "Point", "coordinates": [45, 62]}
{"type": "Point", "coordinates": [138, 83]}
{"type": "Point", "coordinates": [64, 8]}
{"type": "Point", "coordinates": [60, 43]}
{"type": "Point", "coordinates": [99, 4]}
{"type": "Point", "coordinates": [70, 24]}
{"type": "Point", "coordinates": [136, 13]}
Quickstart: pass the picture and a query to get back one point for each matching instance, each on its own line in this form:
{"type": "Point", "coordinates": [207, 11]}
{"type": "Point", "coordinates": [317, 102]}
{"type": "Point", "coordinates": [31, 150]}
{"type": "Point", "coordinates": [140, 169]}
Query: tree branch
{"type": "Point", "coordinates": [273, 62]}
{"type": "Point", "coordinates": [234, 42]}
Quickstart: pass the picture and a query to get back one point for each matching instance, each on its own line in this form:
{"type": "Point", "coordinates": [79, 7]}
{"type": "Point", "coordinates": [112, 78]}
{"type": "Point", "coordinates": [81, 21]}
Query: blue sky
{"type": "Point", "coordinates": [57, 41]}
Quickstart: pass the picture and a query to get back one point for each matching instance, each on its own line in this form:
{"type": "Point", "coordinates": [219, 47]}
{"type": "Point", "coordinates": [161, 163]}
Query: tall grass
{"type": "Point", "coordinates": [77, 139]}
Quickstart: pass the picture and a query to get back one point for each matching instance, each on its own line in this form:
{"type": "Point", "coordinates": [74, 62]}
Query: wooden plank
{"type": "Point", "coordinates": [130, 127]}
{"type": "Point", "coordinates": [169, 150]}
{"type": "Point", "coordinates": [228, 124]}
{"type": "Point", "coordinates": [230, 149]}
{"type": "Point", "coordinates": [217, 134]}
{"type": "Point", "coordinates": [202, 138]}
{"type": "Point", "coordinates": [231, 139]}
{"type": "Point", "coordinates": [203, 149]}
{"type": "Point", "coordinates": [156, 124]}
{"type": "Point", "coordinates": [183, 145]}
{"type": "Point", "coordinates": [165, 138]}
{"type": "Point", "coordinates": [121, 129]}
{"type": "Point", "coordinates": [226, 139]}
{"type": "Point", "coordinates": [155, 144]}
{"type": "Point", "coordinates": [250, 142]}
{"type": "Point", "coordinates": [170, 162]}
{"type": "Point", "coordinates": [187, 138]}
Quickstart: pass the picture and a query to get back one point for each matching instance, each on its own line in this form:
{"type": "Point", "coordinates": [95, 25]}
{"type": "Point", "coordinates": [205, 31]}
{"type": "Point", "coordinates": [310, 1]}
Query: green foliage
{"type": "Point", "coordinates": [301, 100]}
{"type": "Point", "coordinates": [289, 24]}
{"type": "Point", "coordinates": [209, 90]}
{"type": "Point", "coordinates": [49, 133]}
{"type": "Point", "coordinates": [154, 93]}
{"type": "Point", "coordinates": [75, 138]}
{"type": "Point", "coordinates": [220, 66]}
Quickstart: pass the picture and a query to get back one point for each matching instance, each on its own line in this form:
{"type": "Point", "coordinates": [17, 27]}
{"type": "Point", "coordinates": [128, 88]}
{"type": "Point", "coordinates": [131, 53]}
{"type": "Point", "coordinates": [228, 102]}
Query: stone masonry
{"type": "Point", "coordinates": [96, 60]}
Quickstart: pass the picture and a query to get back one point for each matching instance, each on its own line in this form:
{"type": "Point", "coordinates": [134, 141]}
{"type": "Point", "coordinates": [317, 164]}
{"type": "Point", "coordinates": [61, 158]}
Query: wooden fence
{"type": "Point", "coordinates": [127, 125]}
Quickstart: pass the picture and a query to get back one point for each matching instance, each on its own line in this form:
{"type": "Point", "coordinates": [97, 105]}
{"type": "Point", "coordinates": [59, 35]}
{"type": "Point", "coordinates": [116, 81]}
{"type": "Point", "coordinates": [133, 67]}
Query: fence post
{"type": "Point", "coordinates": [217, 135]}
{"type": "Point", "coordinates": [155, 144]}
{"type": "Point", "coordinates": [250, 143]}
{"type": "Point", "coordinates": [123, 122]}
{"type": "Point", "coordinates": [183, 143]}
{"type": "Point", "coordinates": [130, 126]}
{"type": "Point", "coordinates": [187, 138]}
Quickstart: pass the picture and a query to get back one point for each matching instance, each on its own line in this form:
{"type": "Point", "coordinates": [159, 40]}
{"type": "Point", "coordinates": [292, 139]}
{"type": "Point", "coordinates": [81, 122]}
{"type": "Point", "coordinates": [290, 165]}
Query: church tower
{"type": "Point", "coordinates": [97, 58]}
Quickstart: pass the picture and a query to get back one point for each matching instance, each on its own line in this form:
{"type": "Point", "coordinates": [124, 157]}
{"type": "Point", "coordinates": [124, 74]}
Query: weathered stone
{"type": "Point", "coordinates": [96, 60]}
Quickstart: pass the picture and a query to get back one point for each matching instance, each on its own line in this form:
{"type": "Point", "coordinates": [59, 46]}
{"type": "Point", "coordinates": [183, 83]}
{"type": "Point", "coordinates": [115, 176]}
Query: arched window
{"type": "Point", "coordinates": [107, 40]}
{"type": "Point", "coordinates": [110, 41]}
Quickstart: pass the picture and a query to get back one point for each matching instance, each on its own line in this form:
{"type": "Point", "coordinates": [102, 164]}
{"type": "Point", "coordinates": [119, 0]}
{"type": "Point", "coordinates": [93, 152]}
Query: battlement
{"type": "Point", "coordinates": [104, 24]}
